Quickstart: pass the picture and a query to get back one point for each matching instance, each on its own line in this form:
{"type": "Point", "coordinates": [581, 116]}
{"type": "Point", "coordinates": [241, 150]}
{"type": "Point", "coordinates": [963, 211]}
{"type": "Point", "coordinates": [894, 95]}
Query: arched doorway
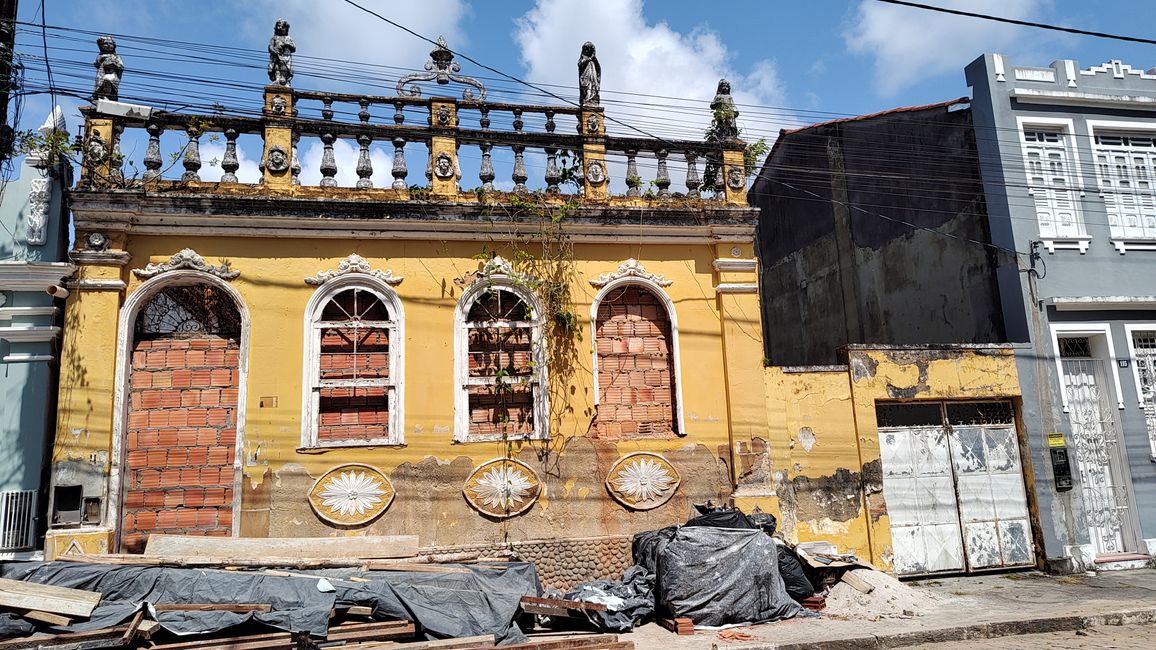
{"type": "Point", "coordinates": [180, 431]}
{"type": "Point", "coordinates": [636, 364]}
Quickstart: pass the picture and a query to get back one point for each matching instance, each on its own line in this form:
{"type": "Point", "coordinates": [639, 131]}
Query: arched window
{"type": "Point", "coordinates": [354, 343]}
{"type": "Point", "coordinates": [636, 362]}
{"type": "Point", "coordinates": [501, 391]}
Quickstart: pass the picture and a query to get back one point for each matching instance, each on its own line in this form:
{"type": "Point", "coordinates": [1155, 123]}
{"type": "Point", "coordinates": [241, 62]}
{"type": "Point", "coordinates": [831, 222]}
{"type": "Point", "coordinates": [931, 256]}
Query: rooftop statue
{"type": "Point", "coordinates": [109, 68]}
{"type": "Point", "coordinates": [726, 116]}
{"type": "Point", "coordinates": [281, 49]}
{"type": "Point", "coordinates": [589, 77]}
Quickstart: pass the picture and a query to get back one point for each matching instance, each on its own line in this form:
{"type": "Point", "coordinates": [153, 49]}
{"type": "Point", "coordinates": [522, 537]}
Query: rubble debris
{"type": "Point", "coordinates": [888, 597]}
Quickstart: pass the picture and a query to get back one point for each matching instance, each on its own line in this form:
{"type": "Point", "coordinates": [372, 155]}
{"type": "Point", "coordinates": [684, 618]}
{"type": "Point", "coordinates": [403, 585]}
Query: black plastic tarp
{"type": "Point", "coordinates": [629, 601]}
{"type": "Point", "coordinates": [482, 600]}
{"type": "Point", "coordinates": [718, 576]}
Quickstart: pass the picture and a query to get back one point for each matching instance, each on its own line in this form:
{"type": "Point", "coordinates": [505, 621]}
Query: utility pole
{"type": "Point", "coordinates": [7, 45]}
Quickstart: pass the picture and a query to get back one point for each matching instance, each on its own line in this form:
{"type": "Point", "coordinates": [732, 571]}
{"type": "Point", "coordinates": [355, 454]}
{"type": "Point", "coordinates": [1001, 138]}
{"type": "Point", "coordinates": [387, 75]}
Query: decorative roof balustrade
{"type": "Point", "coordinates": [507, 147]}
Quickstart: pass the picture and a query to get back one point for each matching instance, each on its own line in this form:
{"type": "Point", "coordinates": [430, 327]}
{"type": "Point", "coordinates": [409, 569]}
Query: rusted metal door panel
{"type": "Point", "coordinates": [921, 504]}
{"type": "Point", "coordinates": [992, 498]}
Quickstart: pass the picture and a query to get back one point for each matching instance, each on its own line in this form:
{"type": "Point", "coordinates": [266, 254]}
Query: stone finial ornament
{"type": "Point", "coordinates": [109, 68]}
{"type": "Point", "coordinates": [281, 49]}
{"type": "Point", "coordinates": [725, 114]}
{"type": "Point", "coordinates": [631, 268]}
{"type": "Point", "coordinates": [354, 264]}
{"type": "Point", "coordinates": [442, 69]}
{"type": "Point", "coordinates": [589, 77]}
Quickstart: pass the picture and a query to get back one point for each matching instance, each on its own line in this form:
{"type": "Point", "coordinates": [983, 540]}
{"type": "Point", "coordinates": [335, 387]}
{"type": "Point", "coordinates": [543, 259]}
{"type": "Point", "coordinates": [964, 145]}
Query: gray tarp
{"type": "Point", "coordinates": [482, 601]}
{"type": "Point", "coordinates": [717, 576]}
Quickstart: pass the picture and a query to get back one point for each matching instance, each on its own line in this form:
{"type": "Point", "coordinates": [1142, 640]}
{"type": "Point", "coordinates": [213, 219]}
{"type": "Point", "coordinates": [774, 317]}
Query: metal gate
{"type": "Point", "coordinates": [1096, 437]}
{"type": "Point", "coordinates": [954, 487]}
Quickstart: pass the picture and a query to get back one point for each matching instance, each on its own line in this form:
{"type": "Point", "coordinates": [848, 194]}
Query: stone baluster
{"type": "Point", "coordinates": [363, 114]}
{"type": "Point", "coordinates": [662, 178]}
{"type": "Point", "coordinates": [192, 157]}
{"type": "Point", "coordinates": [486, 173]}
{"type": "Point", "coordinates": [519, 174]}
{"type": "Point", "coordinates": [692, 179]}
{"type": "Point", "coordinates": [579, 174]}
{"type": "Point", "coordinates": [229, 161]}
{"type": "Point", "coordinates": [633, 180]}
{"type": "Point", "coordinates": [327, 108]}
{"type": "Point", "coordinates": [152, 157]}
{"type": "Point", "coordinates": [328, 162]}
{"type": "Point", "coordinates": [399, 169]}
{"type": "Point", "coordinates": [116, 168]}
{"type": "Point", "coordinates": [518, 120]}
{"type": "Point", "coordinates": [553, 176]}
{"type": "Point", "coordinates": [550, 121]}
{"type": "Point", "coordinates": [364, 164]}
{"type": "Point", "coordinates": [484, 122]}
{"type": "Point", "coordinates": [398, 113]}
{"type": "Point", "coordinates": [295, 167]}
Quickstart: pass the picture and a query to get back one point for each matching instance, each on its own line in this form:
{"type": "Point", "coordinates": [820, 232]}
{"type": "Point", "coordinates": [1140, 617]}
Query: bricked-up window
{"type": "Point", "coordinates": [353, 396]}
{"type": "Point", "coordinates": [501, 395]}
{"type": "Point", "coordinates": [636, 371]}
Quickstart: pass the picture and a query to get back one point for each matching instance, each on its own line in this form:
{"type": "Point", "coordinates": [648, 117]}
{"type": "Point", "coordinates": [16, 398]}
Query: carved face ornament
{"type": "Point", "coordinates": [278, 160]}
{"type": "Point", "coordinates": [443, 116]}
{"type": "Point", "coordinates": [592, 124]}
{"type": "Point", "coordinates": [277, 105]}
{"type": "Point", "coordinates": [735, 178]}
{"type": "Point", "coordinates": [444, 166]}
{"type": "Point", "coordinates": [595, 172]}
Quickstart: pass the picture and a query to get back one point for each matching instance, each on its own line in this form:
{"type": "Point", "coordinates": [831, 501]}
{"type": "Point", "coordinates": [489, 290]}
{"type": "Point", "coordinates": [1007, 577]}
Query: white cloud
{"type": "Point", "coordinates": [639, 57]}
{"type": "Point", "coordinates": [345, 152]}
{"type": "Point", "coordinates": [910, 44]}
{"type": "Point", "coordinates": [337, 30]}
{"type": "Point", "coordinates": [646, 59]}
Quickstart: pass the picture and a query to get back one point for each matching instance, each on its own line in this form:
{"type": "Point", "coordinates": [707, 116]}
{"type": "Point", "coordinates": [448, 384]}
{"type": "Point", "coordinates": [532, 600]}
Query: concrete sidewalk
{"type": "Point", "coordinates": [972, 608]}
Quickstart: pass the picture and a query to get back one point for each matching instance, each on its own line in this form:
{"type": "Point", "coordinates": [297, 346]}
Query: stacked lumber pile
{"type": "Point", "coordinates": [59, 617]}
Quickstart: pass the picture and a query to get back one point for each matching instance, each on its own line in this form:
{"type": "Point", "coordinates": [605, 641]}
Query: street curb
{"type": "Point", "coordinates": [992, 630]}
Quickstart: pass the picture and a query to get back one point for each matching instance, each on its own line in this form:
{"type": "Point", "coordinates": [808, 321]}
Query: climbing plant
{"type": "Point", "coordinates": [724, 115]}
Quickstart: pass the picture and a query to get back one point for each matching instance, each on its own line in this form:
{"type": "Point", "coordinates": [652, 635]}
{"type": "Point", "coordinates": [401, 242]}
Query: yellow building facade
{"type": "Point", "coordinates": [478, 366]}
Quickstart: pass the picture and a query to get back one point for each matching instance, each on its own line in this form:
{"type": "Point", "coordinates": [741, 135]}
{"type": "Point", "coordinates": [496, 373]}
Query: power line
{"type": "Point", "coordinates": [1023, 23]}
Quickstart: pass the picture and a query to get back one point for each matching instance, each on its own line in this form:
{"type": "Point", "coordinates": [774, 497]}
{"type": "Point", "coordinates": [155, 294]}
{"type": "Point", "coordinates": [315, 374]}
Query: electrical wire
{"type": "Point", "coordinates": [1023, 23]}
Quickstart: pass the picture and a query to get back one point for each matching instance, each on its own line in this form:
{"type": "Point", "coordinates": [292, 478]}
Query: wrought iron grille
{"type": "Point", "coordinates": [17, 520]}
{"type": "Point", "coordinates": [189, 311]}
{"type": "Point", "coordinates": [1075, 346]}
{"type": "Point", "coordinates": [1145, 345]}
{"type": "Point", "coordinates": [980, 413]}
{"type": "Point", "coordinates": [919, 414]}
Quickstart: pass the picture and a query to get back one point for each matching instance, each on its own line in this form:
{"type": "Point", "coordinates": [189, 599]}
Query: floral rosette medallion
{"type": "Point", "coordinates": [502, 487]}
{"type": "Point", "coordinates": [642, 480]}
{"type": "Point", "coordinates": [351, 495]}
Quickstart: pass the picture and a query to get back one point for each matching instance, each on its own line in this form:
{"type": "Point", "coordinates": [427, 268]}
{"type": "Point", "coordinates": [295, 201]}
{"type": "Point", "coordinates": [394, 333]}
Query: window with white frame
{"type": "Point", "coordinates": [1052, 182]}
{"type": "Point", "coordinates": [501, 372]}
{"type": "Point", "coordinates": [354, 351]}
{"type": "Point", "coordinates": [1144, 349]}
{"type": "Point", "coordinates": [1125, 170]}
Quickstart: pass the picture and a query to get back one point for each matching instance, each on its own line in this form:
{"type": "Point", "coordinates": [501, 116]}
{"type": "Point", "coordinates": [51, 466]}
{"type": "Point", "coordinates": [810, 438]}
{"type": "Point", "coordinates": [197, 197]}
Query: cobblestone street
{"type": "Point", "coordinates": [1123, 637]}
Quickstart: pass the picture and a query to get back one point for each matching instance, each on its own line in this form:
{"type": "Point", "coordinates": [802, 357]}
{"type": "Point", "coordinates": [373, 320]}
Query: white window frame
{"type": "Point", "coordinates": [1119, 239]}
{"type": "Point", "coordinates": [311, 381]}
{"type": "Point", "coordinates": [1073, 330]}
{"type": "Point", "coordinates": [462, 379]}
{"type": "Point", "coordinates": [1067, 127]}
{"type": "Point", "coordinates": [671, 314]}
{"type": "Point", "coordinates": [1129, 332]}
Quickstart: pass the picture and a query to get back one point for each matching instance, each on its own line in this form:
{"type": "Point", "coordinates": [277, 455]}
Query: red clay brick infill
{"type": "Point", "coordinates": [635, 367]}
{"type": "Point", "coordinates": [354, 412]}
{"type": "Point", "coordinates": [501, 409]}
{"type": "Point", "coordinates": [181, 439]}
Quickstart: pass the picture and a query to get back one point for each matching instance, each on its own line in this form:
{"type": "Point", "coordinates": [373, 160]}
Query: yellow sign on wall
{"type": "Point", "coordinates": [1055, 439]}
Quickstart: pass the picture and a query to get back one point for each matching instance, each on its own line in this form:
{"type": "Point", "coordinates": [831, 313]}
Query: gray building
{"type": "Point", "coordinates": [33, 246]}
{"type": "Point", "coordinates": [1068, 157]}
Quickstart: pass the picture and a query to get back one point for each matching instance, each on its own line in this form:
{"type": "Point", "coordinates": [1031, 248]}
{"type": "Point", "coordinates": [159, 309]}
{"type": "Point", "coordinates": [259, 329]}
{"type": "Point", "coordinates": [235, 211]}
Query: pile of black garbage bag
{"type": "Point", "coordinates": [721, 567]}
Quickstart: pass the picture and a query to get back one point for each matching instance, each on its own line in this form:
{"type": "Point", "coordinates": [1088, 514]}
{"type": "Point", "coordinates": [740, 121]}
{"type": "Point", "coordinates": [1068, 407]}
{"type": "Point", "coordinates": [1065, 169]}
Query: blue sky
{"type": "Point", "coordinates": [792, 62]}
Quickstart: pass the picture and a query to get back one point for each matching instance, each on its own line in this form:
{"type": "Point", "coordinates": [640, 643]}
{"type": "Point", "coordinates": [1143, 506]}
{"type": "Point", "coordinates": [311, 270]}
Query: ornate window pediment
{"type": "Point", "coordinates": [631, 268]}
{"type": "Point", "coordinates": [186, 259]}
{"type": "Point", "coordinates": [355, 264]}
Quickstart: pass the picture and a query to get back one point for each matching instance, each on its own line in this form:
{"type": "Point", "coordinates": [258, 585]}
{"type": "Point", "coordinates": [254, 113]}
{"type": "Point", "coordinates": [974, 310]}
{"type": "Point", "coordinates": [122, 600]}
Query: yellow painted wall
{"type": "Point", "coordinates": [271, 283]}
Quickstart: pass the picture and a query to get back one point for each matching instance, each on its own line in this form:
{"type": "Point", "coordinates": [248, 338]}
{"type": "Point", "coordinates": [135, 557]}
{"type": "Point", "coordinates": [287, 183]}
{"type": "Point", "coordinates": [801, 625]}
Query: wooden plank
{"type": "Point", "coordinates": [378, 546]}
{"type": "Point", "coordinates": [47, 598]}
{"type": "Point", "coordinates": [45, 617]}
{"type": "Point", "coordinates": [567, 604]}
{"type": "Point", "coordinates": [585, 642]}
{"type": "Point", "coordinates": [359, 610]}
{"type": "Point", "coordinates": [858, 583]}
{"type": "Point", "coordinates": [133, 626]}
{"type": "Point", "coordinates": [418, 568]}
{"type": "Point", "coordinates": [461, 643]}
{"type": "Point", "coordinates": [250, 642]}
{"type": "Point", "coordinates": [372, 631]}
{"type": "Point", "coordinates": [213, 607]}
{"type": "Point", "coordinates": [72, 638]}
{"type": "Point", "coordinates": [681, 626]}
